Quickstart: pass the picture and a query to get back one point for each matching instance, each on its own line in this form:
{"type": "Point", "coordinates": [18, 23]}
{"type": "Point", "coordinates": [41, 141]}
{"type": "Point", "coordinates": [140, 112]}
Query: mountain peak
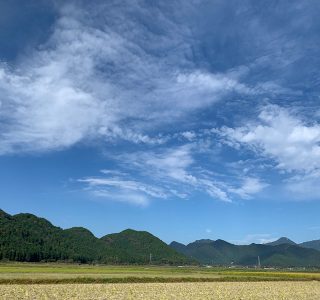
{"type": "Point", "coordinates": [280, 241]}
{"type": "Point", "coordinates": [204, 241]}
{"type": "Point", "coordinates": [173, 243]}
{"type": "Point", "coordinates": [220, 243]}
{"type": "Point", "coordinates": [79, 231]}
{"type": "Point", "coordinates": [131, 231]}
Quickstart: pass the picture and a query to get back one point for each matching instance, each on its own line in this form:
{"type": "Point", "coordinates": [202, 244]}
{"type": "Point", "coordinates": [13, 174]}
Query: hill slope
{"type": "Point", "coordinates": [311, 244]}
{"type": "Point", "coordinates": [25, 237]}
{"type": "Point", "coordinates": [223, 253]}
{"type": "Point", "coordinates": [136, 246]}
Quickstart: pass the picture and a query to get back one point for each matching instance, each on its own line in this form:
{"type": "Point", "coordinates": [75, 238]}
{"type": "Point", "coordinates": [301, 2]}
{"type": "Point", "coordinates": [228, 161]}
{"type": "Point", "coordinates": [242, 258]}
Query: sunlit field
{"type": "Point", "coordinates": [63, 281]}
{"type": "Point", "coordinates": [203, 290]}
{"type": "Point", "coordinates": [20, 273]}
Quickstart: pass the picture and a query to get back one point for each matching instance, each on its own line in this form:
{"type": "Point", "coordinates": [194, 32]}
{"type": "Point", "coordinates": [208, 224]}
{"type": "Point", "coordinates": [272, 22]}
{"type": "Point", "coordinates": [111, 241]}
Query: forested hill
{"type": "Point", "coordinates": [132, 246]}
{"type": "Point", "coordinates": [25, 237]}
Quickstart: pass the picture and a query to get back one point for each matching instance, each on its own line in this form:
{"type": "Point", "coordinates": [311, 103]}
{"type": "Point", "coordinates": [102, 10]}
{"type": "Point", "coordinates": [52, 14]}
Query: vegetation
{"type": "Point", "coordinates": [311, 244]}
{"type": "Point", "coordinates": [25, 237]}
{"type": "Point", "coordinates": [222, 253]}
{"type": "Point", "coordinates": [141, 247]}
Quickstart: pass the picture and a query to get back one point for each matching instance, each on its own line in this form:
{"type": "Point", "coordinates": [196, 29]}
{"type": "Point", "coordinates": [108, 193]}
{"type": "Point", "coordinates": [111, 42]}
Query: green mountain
{"type": "Point", "coordinates": [142, 247]}
{"type": "Point", "coordinates": [282, 240]}
{"type": "Point", "coordinates": [220, 252]}
{"type": "Point", "coordinates": [311, 244]}
{"type": "Point", "coordinates": [25, 237]}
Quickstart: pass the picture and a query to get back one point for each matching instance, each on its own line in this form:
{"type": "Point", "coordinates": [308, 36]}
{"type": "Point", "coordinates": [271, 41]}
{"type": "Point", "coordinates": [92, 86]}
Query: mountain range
{"type": "Point", "coordinates": [315, 244]}
{"type": "Point", "coordinates": [281, 253]}
{"type": "Point", "coordinates": [26, 237]}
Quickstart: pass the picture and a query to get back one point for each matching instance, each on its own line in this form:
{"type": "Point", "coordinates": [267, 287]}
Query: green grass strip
{"type": "Point", "coordinates": [88, 280]}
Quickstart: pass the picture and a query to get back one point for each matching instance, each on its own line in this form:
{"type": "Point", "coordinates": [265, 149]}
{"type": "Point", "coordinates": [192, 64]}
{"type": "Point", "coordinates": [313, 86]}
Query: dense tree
{"type": "Point", "coordinates": [25, 237]}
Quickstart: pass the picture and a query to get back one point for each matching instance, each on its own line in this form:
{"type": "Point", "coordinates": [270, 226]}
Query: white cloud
{"type": "Point", "coordinates": [189, 135]}
{"type": "Point", "coordinates": [177, 171]}
{"type": "Point", "coordinates": [172, 163]}
{"type": "Point", "coordinates": [98, 81]}
{"type": "Point", "coordinates": [205, 88]}
{"type": "Point", "coordinates": [215, 189]}
{"type": "Point", "coordinates": [290, 141]}
{"type": "Point", "coordinates": [249, 187]}
{"type": "Point", "coordinates": [115, 185]}
{"type": "Point", "coordinates": [122, 196]}
{"type": "Point", "coordinates": [303, 186]}
{"type": "Point", "coordinates": [161, 175]}
{"type": "Point", "coordinates": [128, 185]}
{"type": "Point", "coordinates": [257, 238]}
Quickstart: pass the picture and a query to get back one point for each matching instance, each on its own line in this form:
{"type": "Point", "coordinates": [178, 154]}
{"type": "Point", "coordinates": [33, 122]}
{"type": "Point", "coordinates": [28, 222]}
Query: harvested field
{"type": "Point", "coordinates": [204, 290]}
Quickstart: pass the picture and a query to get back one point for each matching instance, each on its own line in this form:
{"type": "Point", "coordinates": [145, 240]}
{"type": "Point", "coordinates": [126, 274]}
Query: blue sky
{"type": "Point", "coordinates": [189, 119]}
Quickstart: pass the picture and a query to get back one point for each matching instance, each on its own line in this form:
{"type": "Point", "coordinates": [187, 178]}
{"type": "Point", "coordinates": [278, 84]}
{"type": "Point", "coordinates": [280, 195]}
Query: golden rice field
{"type": "Point", "coordinates": [204, 290]}
{"type": "Point", "coordinates": [64, 281]}
{"type": "Point", "coordinates": [36, 273]}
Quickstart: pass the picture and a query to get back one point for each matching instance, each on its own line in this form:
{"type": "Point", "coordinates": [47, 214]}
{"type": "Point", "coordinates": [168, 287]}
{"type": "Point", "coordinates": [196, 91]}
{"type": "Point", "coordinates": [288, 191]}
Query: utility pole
{"type": "Point", "coordinates": [259, 264]}
{"type": "Point", "coordinates": [150, 258]}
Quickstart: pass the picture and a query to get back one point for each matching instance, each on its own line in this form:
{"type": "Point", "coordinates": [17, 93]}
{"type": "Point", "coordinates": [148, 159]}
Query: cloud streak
{"type": "Point", "coordinates": [92, 81]}
{"type": "Point", "coordinates": [173, 82]}
{"type": "Point", "coordinates": [171, 173]}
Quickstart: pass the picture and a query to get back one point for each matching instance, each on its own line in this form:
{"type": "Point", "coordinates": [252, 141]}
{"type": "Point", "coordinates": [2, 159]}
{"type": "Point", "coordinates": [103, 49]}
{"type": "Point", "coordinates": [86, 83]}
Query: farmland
{"type": "Point", "coordinates": [203, 290]}
{"type": "Point", "coordinates": [12, 273]}
{"type": "Point", "coordinates": [63, 281]}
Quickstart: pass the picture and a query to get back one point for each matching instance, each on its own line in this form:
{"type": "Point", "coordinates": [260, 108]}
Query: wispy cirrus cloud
{"type": "Point", "coordinates": [124, 184]}
{"type": "Point", "coordinates": [118, 188]}
{"type": "Point", "coordinates": [170, 173]}
{"type": "Point", "coordinates": [122, 196]}
{"type": "Point", "coordinates": [95, 80]}
{"type": "Point", "coordinates": [173, 167]}
{"type": "Point", "coordinates": [153, 75]}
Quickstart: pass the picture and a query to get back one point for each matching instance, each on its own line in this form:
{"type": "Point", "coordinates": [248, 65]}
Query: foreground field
{"type": "Point", "coordinates": [62, 281]}
{"type": "Point", "coordinates": [204, 290]}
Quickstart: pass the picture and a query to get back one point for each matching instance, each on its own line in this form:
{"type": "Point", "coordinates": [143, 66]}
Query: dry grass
{"type": "Point", "coordinates": [205, 290]}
